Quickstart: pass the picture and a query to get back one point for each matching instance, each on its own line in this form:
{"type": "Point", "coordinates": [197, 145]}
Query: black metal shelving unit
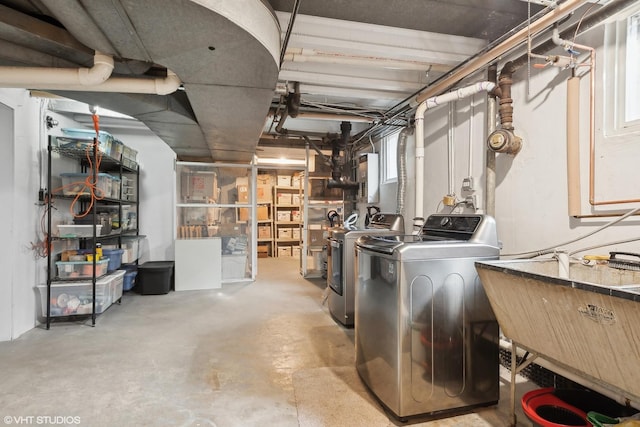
{"type": "Point", "coordinates": [107, 165]}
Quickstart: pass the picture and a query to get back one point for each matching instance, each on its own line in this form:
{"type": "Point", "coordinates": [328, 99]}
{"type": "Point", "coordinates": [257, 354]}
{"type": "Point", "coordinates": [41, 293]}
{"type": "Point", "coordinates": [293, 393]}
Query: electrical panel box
{"type": "Point", "coordinates": [368, 178]}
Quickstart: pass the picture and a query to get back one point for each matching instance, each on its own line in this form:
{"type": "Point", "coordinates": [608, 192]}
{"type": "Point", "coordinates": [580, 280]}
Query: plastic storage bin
{"type": "Point", "coordinates": [129, 280]}
{"type": "Point", "coordinates": [68, 143]}
{"type": "Point", "coordinates": [115, 258]}
{"type": "Point", "coordinates": [81, 269]}
{"type": "Point", "coordinates": [116, 283]}
{"type": "Point", "coordinates": [155, 277]}
{"type": "Point", "coordinates": [71, 298]}
{"type": "Point", "coordinates": [132, 248]}
{"type": "Point", "coordinates": [101, 219]}
{"type": "Point", "coordinates": [115, 187]}
{"type": "Point", "coordinates": [116, 149]}
{"type": "Point", "coordinates": [544, 409]}
{"type": "Point", "coordinates": [105, 138]}
{"type": "Point", "coordinates": [75, 183]}
{"type": "Point", "coordinates": [78, 230]}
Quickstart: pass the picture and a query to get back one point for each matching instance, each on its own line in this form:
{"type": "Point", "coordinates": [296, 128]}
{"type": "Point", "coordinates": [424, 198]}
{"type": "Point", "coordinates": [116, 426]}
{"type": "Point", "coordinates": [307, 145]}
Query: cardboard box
{"type": "Point", "coordinates": [230, 229]}
{"type": "Point", "coordinates": [284, 251]}
{"type": "Point", "coordinates": [296, 216]}
{"type": "Point", "coordinates": [295, 251]}
{"type": "Point", "coordinates": [263, 251]}
{"type": "Point", "coordinates": [199, 187]}
{"type": "Point", "coordinates": [243, 214]}
{"type": "Point", "coordinates": [263, 213]}
{"type": "Point", "coordinates": [284, 233]}
{"type": "Point", "coordinates": [295, 233]}
{"type": "Point", "coordinates": [243, 194]}
{"type": "Point", "coordinates": [284, 216]}
{"type": "Point", "coordinates": [242, 185]}
{"type": "Point", "coordinates": [296, 181]}
{"type": "Point", "coordinates": [265, 180]}
{"type": "Point", "coordinates": [264, 232]}
{"type": "Point", "coordinates": [295, 199]}
{"type": "Point", "coordinates": [284, 181]}
{"type": "Point", "coordinates": [284, 198]}
{"type": "Point", "coordinates": [264, 193]}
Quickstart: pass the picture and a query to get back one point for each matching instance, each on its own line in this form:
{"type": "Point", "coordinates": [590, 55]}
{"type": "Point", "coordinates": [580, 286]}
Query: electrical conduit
{"type": "Point", "coordinates": [419, 118]}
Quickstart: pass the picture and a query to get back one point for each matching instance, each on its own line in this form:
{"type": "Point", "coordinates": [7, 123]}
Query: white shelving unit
{"type": "Point", "coordinates": [287, 220]}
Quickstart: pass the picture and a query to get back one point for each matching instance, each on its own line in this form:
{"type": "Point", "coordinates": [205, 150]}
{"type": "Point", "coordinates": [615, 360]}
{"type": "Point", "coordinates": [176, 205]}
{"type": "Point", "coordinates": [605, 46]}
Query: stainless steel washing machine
{"type": "Point", "coordinates": [341, 262]}
{"type": "Point", "coordinates": [426, 337]}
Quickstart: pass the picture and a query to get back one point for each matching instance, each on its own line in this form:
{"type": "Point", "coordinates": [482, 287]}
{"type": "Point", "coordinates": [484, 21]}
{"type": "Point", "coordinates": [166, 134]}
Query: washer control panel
{"type": "Point", "coordinates": [452, 226]}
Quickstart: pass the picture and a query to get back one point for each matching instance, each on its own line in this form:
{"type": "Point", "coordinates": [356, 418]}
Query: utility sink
{"type": "Point", "coordinates": [584, 318]}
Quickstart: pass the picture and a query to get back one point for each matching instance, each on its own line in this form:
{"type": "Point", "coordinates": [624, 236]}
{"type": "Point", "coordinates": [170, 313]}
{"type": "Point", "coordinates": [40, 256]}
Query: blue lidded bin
{"type": "Point", "coordinates": [129, 280]}
{"type": "Point", "coordinates": [115, 258]}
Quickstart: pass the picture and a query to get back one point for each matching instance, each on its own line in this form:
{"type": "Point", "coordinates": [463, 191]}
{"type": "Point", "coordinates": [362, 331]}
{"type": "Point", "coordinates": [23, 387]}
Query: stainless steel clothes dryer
{"type": "Point", "coordinates": [341, 262]}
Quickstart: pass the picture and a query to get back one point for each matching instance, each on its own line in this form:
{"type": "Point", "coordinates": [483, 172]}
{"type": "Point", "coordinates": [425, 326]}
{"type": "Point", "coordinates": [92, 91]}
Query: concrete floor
{"type": "Point", "coordinates": [260, 354]}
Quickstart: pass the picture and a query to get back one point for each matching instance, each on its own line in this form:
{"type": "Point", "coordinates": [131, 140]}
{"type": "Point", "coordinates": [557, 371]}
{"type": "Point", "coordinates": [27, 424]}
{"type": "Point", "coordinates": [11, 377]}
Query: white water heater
{"type": "Point", "coordinates": [368, 178]}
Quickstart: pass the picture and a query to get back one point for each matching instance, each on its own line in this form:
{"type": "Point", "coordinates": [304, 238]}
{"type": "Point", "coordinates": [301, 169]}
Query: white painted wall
{"type": "Point", "coordinates": [531, 194]}
{"type": "Point", "coordinates": [6, 233]}
{"type": "Point", "coordinates": [532, 186]}
{"type": "Point", "coordinates": [157, 191]}
{"type": "Point", "coordinates": [19, 214]}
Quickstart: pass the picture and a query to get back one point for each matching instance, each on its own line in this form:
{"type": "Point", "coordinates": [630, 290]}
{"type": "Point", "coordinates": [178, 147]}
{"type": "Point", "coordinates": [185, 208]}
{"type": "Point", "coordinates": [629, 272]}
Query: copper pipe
{"type": "Point", "coordinates": [475, 64]}
{"type": "Point", "coordinates": [592, 145]}
{"type": "Point", "coordinates": [602, 215]}
{"type": "Point", "coordinates": [592, 139]}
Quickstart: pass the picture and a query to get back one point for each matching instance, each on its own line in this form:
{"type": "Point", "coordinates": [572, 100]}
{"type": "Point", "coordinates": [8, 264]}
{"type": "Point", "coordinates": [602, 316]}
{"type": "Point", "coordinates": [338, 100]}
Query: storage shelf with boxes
{"type": "Point", "coordinates": [87, 232]}
{"type": "Point", "coordinates": [288, 217]}
{"type": "Point", "coordinates": [214, 202]}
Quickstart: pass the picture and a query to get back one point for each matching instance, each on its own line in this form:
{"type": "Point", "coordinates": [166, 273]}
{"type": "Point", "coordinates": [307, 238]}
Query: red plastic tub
{"type": "Point", "coordinates": [546, 410]}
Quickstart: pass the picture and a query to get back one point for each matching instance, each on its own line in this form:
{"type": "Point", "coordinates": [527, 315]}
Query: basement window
{"type": "Point", "coordinates": [389, 146]}
{"type": "Point", "coordinates": [622, 74]}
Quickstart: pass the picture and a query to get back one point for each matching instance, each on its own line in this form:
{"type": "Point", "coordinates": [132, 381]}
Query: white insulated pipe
{"type": "Point", "coordinates": [573, 146]}
{"type": "Point", "coordinates": [450, 150]}
{"type": "Point", "coordinates": [156, 86]}
{"type": "Point", "coordinates": [419, 119]}
{"type": "Point", "coordinates": [94, 79]}
{"type": "Point", "coordinates": [313, 55]}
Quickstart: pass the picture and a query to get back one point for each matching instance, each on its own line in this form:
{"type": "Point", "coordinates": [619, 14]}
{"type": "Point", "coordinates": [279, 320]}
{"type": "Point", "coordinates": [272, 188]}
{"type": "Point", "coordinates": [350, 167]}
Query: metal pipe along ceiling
{"type": "Point", "coordinates": [512, 42]}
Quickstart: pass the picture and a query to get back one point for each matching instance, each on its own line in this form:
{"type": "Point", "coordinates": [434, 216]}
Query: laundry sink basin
{"type": "Point", "coordinates": [586, 319]}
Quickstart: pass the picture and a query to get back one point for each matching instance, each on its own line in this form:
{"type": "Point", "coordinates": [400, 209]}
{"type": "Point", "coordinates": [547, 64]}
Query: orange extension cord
{"type": "Point", "coordinates": [89, 185]}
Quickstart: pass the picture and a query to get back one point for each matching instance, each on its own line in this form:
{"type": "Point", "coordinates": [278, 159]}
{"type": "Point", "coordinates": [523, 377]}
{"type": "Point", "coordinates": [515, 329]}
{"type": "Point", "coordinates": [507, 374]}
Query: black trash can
{"type": "Point", "coordinates": [154, 277]}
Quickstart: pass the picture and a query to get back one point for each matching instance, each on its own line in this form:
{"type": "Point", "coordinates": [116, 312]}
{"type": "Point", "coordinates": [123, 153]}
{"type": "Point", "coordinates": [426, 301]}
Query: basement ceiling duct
{"type": "Point", "coordinates": [225, 54]}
